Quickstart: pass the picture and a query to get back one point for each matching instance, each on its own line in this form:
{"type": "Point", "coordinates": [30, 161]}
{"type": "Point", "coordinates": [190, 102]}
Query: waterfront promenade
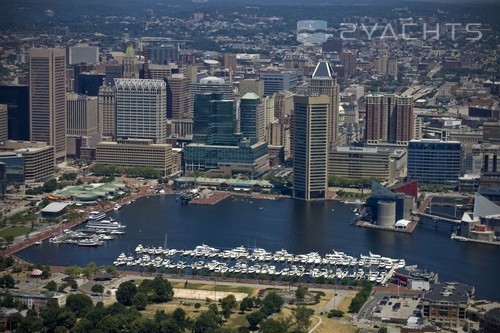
{"type": "Point", "coordinates": [105, 206]}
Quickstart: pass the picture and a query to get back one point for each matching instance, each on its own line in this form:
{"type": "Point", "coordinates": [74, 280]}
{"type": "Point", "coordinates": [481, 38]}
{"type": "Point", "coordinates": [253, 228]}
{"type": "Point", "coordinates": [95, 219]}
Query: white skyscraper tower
{"type": "Point", "coordinates": [141, 110]}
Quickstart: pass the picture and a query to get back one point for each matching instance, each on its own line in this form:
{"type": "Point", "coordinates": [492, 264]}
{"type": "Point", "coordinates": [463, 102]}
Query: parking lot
{"type": "Point", "coordinates": [396, 308]}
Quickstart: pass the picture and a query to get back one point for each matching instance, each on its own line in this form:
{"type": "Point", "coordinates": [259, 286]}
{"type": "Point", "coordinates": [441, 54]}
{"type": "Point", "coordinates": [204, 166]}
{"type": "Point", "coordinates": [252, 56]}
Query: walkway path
{"type": "Point", "coordinates": [317, 325]}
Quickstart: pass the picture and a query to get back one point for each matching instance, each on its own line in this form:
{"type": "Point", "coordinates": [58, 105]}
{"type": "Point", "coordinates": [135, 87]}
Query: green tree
{"type": "Point", "coordinates": [31, 324]}
{"type": "Point", "coordinates": [140, 301]}
{"type": "Point", "coordinates": [79, 304]}
{"type": "Point", "coordinates": [97, 289]}
{"type": "Point", "coordinates": [228, 303]}
{"type": "Point", "coordinates": [144, 325]}
{"type": "Point", "coordinates": [9, 261]}
{"type": "Point", "coordinates": [272, 303]}
{"type": "Point", "coordinates": [246, 303]}
{"type": "Point", "coordinates": [197, 306]}
{"type": "Point", "coordinates": [83, 325]}
{"type": "Point", "coordinates": [90, 270]}
{"type": "Point", "coordinates": [182, 320]}
{"type": "Point", "coordinates": [300, 293]}
{"type": "Point", "coordinates": [7, 281]}
{"type": "Point", "coordinates": [125, 292]}
{"type": "Point", "coordinates": [8, 301]}
{"type": "Point", "coordinates": [302, 316]}
{"type": "Point", "coordinates": [50, 314]}
{"type": "Point", "coordinates": [51, 286]}
{"type": "Point", "coordinates": [73, 271]}
{"type": "Point", "coordinates": [335, 313]}
{"type": "Point", "coordinates": [255, 318]}
{"type": "Point", "coordinates": [280, 324]}
{"type": "Point", "coordinates": [50, 185]}
{"type": "Point", "coordinates": [110, 324]}
{"type": "Point", "coordinates": [14, 321]}
{"type": "Point", "coordinates": [206, 322]}
{"type": "Point", "coordinates": [66, 319]}
{"type": "Point", "coordinates": [164, 292]}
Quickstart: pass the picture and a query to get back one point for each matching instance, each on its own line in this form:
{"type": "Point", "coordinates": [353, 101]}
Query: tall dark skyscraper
{"type": "Point", "coordinates": [200, 117]}
{"type": "Point", "coordinates": [17, 99]}
{"type": "Point", "coordinates": [89, 83]}
{"type": "Point", "coordinates": [48, 98]}
{"type": "Point", "coordinates": [252, 118]}
{"type": "Point", "coordinates": [222, 123]}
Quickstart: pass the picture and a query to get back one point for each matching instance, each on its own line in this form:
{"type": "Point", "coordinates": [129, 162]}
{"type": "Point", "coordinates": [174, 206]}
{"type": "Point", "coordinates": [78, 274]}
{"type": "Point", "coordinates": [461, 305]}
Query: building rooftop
{"type": "Point", "coordinates": [55, 207]}
{"type": "Point", "coordinates": [450, 292]}
{"type": "Point", "coordinates": [250, 95]}
{"type": "Point", "coordinates": [323, 70]}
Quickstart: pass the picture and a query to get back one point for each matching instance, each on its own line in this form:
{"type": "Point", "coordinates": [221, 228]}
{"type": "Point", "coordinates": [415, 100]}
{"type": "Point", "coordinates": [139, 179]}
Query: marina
{"type": "Point", "coordinates": [96, 231]}
{"type": "Point", "coordinates": [333, 266]}
{"type": "Point", "coordinates": [296, 226]}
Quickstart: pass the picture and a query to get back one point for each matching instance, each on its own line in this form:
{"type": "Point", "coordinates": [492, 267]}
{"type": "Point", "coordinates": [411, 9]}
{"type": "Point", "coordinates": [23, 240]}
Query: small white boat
{"type": "Point", "coordinates": [117, 206]}
{"type": "Point", "coordinates": [38, 242]}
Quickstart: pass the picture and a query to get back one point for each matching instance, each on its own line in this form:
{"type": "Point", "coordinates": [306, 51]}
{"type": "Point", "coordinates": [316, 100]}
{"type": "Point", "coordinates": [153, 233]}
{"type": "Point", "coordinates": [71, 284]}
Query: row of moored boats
{"type": "Point", "coordinates": [241, 260]}
{"type": "Point", "coordinates": [98, 229]}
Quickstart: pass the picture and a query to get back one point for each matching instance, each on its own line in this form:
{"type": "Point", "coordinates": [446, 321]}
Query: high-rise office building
{"type": "Point", "coordinates": [279, 81]}
{"type": "Point", "coordinates": [201, 115]}
{"type": "Point", "coordinates": [112, 72]}
{"type": "Point", "coordinates": [310, 164]}
{"type": "Point", "coordinates": [216, 146]}
{"type": "Point", "coordinates": [83, 54]}
{"type": "Point", "coordinates": [160, 72]}
{"type": "Point", "coordinates": [435, 162]}
{"type": "Point", "coordinates": [107, 111]}
{"type": "Point", "coordinates": [82, 129]}
{"type": "Point", "coordinates": [251, 85]}
{"type": "Point", "coordinates": [389, 118]}
{"type": "Point", "coordinates": [163, 54]}
{"type": "Point", "coordinates": [324, 82]}
{"type": "Point", "coordinates": [278, 134]}
{"type": "Point", "coordinates": [230, 61]}
{"type": "Point", "coordinates": [48, 99]}
{"type": "Point", "coordinates": [4, 128]}
{"type": "Point", "coordinates": [212, 85]}
{"type": "Point", "coordinates": [178, 97]}
{"type": "Point", "coordinates": [89, 83]}
{"type": "Point", "coordinates": [348, 60]}
{"type": "Point", "coordinates": [222, 123]}
{"type": "Point", "coordinates": [130, 69]}
{"type": "Point", "coordinates": [141, 110]}
{"type": "Point", "coordinates": [82, 115]}
{"type": "Point", "coordinates": [252, 118]}
{"type": "Point", "coordinates": [17, 98]}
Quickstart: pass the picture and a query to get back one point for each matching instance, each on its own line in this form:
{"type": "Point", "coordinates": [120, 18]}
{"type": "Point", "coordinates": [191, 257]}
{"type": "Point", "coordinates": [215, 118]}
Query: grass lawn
{"type": "Point", "coordinates": [14, 231]}
{"type": "Point", "coordinates": [219, 287]}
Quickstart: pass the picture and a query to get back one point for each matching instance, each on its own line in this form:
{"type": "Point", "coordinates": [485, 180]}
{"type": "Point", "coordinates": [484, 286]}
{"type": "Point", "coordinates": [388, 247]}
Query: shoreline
{"type": "Point", "coordinates": [12, 249]}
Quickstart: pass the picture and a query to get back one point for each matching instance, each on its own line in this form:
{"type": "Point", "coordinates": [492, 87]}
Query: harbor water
{"type": "Point", "coordinates": [297, 226]}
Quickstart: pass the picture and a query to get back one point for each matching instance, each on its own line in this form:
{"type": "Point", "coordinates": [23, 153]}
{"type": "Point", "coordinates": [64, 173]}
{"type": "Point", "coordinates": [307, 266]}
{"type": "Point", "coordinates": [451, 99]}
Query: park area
{"type": "Point", "coordinates": [8, 234]}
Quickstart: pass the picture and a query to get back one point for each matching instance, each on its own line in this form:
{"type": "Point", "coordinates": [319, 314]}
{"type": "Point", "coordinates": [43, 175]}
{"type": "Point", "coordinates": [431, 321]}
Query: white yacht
{"type": "Point", "coordinates": [96, 215]}
{"type": "Point", "coordinates": [108, 224]}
